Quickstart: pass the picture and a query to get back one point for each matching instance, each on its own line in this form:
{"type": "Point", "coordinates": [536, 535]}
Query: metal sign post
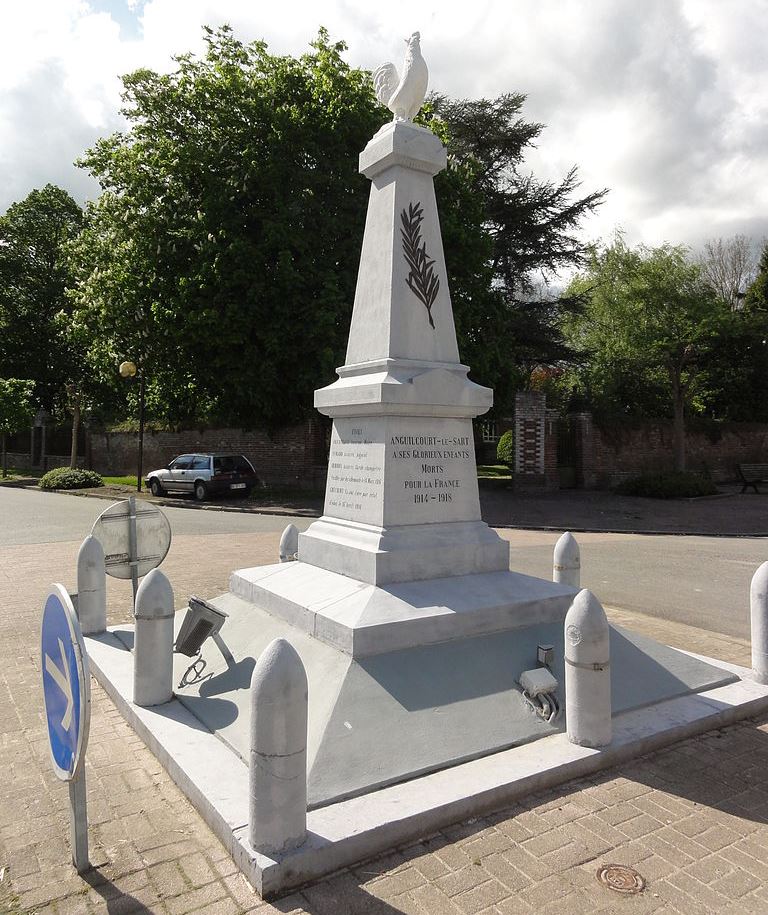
{"type": "Point", "coordinates": [67, 700]}
{"type": "Point", "coordinates": [136, 537]}
{"type": "Point", "coordinates": [133, 554]}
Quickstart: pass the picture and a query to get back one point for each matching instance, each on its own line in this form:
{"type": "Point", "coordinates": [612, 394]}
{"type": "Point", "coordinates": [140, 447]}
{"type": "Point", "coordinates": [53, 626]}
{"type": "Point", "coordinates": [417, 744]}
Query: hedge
{"type": "Point", "coordinates": [66, 478]}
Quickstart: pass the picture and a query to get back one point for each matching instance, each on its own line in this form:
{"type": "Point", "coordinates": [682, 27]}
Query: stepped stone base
{"type": "Point", "coordinates": [362, 619]}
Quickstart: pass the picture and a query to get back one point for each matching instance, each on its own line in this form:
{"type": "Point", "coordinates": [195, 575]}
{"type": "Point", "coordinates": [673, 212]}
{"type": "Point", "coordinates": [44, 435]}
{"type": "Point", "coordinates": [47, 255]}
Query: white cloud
{"type": "Point", "coordinates": [662, 101]}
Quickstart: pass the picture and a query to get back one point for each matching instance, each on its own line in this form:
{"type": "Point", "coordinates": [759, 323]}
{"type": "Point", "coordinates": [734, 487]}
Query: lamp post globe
{"type": "Point", "coordinates": [127, 369]}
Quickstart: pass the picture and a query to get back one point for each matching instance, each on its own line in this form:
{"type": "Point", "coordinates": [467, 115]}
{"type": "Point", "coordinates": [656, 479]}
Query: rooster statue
{"type": "Point", "coordinates": [403, 95]}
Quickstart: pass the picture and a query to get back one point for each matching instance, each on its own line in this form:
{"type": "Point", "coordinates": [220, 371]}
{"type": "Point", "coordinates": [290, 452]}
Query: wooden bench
{"type": "Point", "coordinates": [752, 475]}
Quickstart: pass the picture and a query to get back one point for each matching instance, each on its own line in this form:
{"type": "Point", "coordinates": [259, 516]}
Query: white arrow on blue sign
{"type": "Point", "coordinates": [66, 683]}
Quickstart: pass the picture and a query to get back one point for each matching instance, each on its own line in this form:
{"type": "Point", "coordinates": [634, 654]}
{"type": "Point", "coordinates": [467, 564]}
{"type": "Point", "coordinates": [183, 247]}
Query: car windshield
{"type": "Point", "coordinates": [231, 463]}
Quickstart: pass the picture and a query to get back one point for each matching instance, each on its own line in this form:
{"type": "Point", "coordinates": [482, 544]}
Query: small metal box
{"type": "Point", "coordinates": [538, 681]}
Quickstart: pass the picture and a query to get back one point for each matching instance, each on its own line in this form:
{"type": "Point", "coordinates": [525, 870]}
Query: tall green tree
{"type": "Point", "coordinates": [222, 253]}
{"type": "Point", "coordinates": [34, 274]}
{"type": "Point", "coordinates": [734, 382]}
{"type": "Point", "coordinates": [16, 411]}
{"type": "Point", "coordinates": [519, 233]}
{"type": "Point", "coordinates": [647, 330]}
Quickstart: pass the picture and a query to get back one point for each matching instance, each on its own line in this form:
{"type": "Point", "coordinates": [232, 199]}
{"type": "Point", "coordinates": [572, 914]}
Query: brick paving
{"type": "Point", "coordinates": [692, 819]}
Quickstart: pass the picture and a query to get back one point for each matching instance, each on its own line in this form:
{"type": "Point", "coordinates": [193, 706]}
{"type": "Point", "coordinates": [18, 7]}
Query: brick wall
{"type": "Point", "coordinates": [611, 454]}
{"type": "Point", "coordinates": [294, 456]}
{"type": "Point", "coordinates": [21, 461]}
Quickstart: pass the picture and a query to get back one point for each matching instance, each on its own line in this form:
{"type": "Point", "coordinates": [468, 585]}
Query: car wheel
{"type": "Point", "coordinates": [157, 489]}
{"type": "Point", "coordinates": [201, 491]}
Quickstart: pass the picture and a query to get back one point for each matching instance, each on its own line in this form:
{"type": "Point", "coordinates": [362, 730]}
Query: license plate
{"type": "Point", "coordinates": [237, 485]}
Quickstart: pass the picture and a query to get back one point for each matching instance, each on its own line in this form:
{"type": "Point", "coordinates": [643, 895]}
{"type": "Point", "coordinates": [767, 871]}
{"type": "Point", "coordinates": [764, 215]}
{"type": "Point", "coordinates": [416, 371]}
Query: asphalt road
{"type": "Point", "coordinates": [32, 516]}
{"type": "Point", "coordinates": [702, 581]}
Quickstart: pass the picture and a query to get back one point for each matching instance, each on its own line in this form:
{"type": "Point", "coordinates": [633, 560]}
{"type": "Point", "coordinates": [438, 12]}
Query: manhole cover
{"type": "Point", "coordinates": [621, 879]}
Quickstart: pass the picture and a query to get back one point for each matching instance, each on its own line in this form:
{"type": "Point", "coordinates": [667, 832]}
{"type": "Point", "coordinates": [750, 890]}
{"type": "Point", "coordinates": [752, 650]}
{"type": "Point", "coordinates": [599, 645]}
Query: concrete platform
{"type": "Point", "coordinates": [216, 780]}
{"type": "Point", "coordinates": [363, 619]}
{"type": "Point", "coordinates": [388, 717]}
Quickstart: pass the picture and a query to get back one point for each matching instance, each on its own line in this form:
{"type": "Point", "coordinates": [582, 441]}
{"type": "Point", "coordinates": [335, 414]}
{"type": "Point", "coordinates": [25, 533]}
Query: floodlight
{"type": "Point", "coordinates": [201, 622]}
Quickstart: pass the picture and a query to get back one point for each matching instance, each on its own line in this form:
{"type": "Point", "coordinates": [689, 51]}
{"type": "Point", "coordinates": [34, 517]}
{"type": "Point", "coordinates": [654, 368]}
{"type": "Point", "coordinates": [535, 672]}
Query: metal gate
{"type": "Point", "coordinates": [566, 452]}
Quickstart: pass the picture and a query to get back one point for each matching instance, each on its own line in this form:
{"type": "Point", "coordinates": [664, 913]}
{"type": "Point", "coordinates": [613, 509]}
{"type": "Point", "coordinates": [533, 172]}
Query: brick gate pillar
{"type": "Point", "coordinates": [535, 442]}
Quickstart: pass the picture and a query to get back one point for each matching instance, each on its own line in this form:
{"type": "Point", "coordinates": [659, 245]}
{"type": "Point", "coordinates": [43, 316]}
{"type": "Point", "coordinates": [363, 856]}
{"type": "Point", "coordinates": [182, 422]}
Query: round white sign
{"type": "Point", "coordinates": [113, 531]}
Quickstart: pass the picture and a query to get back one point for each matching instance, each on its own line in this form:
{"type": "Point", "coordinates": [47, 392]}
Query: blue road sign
{"type": "Point", "coordinates": [66, 686]}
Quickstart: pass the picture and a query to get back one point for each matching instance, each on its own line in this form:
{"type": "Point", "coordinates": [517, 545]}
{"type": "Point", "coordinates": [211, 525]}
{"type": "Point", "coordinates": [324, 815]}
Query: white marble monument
{"type": "Point", "coordinates": [412, 631]}
{"type": "Point", "coordinates": [401, 557]}
{"type": "Point", "coordinates": [401, 500]}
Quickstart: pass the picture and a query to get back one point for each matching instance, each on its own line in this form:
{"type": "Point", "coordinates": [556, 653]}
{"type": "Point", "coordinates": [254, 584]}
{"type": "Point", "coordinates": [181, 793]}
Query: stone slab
{"type": "Point", "coordinates": [341, 834]}
{"type": "Point", "coordinates": [362, 619]}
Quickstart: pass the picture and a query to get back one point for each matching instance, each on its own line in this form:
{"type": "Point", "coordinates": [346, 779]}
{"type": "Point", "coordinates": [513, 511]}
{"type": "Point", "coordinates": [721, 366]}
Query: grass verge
{"type": "Point", "coordinates": [494, 472]}
{"type": "Point", "coordinates": [120, 481]}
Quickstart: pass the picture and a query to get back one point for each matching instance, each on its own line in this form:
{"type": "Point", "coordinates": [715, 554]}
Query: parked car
{"type": "Point", "coordinates": [204, 475]}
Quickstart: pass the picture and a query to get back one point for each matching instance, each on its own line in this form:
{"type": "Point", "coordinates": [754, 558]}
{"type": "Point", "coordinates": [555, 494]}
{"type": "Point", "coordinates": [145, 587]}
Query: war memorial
{"type": "Point", "coordinates": [394, 673]}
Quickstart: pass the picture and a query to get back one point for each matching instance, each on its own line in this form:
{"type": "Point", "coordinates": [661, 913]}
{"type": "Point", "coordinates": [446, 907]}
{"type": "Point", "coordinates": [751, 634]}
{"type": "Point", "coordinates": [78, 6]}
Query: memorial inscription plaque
{"type": "Point", "coordinates": [355, 471]}
{"type": "Point", "coordinates": [428, 465]}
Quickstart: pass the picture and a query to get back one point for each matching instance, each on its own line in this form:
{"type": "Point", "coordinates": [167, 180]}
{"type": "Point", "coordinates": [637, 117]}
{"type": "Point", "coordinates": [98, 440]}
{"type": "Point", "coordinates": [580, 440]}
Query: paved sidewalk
{"type": "Point", "coordinates": [692, 819]}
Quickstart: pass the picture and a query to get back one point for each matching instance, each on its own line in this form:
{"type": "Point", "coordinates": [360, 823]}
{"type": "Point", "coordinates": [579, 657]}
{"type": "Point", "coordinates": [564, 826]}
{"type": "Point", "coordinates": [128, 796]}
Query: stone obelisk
{"type": "Point", "coordinates": [401, 500]}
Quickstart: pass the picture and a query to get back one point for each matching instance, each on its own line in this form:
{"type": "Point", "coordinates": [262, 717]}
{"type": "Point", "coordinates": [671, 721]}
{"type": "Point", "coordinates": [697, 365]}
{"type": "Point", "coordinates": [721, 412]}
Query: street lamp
{"type": "Point", "coordinates": [129, 370]}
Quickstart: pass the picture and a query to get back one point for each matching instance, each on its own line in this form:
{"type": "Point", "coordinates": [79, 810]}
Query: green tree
{"type": "Point", "coordinates": [734, 382]}
{"type": "Point", "coordinates": [16, 410]}
{"type": "Point", "coordinates": [506, 235]}
{"type": "Point", "coordinates": [34, 273]}
{"type": "Point", "coordinates": [222, 254]}
{"type": "Point", "coordinates": [648, 328]}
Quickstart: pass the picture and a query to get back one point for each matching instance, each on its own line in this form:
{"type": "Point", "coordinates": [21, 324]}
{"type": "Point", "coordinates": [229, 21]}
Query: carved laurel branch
{"type": "Point", "coordinates": [421, 280]}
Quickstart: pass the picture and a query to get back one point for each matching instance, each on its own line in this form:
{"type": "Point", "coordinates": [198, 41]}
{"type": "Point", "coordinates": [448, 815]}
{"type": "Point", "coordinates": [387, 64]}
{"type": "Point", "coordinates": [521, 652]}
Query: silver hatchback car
{"type": "Point", "coordinates": [204, 475]}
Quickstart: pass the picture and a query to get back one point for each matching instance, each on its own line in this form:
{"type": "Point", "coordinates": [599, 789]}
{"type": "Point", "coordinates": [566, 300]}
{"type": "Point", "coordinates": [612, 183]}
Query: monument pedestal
{"type": "Point", "coordinates": [362, 619]}
{"type": "Point", "coordinates": [401, 500]}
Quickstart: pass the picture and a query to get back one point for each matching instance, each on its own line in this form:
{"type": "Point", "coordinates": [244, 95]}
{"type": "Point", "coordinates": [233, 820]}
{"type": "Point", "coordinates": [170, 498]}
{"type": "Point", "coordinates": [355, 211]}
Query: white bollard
{"type": "Point", "coordinates": [91, 587]}
{"type": "Point", "coordinates": [587, 673]}
{"type": "Point", "coordinates": [758, 607]}
{"type": "Point", "coordinates": [289, 543]}
{"type": "Point", "coordinates": [278, 763]}
{"type": "Point", "coordinates": [153, 643]}
{"type": "Point", "coordinates": [566, 562]}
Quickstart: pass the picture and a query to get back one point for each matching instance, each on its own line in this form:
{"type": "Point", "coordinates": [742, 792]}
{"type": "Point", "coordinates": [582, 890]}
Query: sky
{"type": "Point", "coordinates": [665, 102]}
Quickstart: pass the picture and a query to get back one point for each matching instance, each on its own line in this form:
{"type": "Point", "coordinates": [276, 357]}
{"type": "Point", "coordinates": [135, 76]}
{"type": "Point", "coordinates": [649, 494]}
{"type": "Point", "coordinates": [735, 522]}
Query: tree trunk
{"type": "Point", "coordinates": [75, 428]}
{"type": "Point", "coordinates": [678, 420]}
{"type": "Point", "coordinates": [5, 458]}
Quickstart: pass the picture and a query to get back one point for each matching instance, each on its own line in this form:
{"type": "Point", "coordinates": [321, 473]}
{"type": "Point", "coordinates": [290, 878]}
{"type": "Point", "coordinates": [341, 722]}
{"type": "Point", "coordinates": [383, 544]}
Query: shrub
{"type": "Point", "coordinates": [673, 485]}
{"type": "Point", "coordinates": [66, 478]}
{"type": "Point", "coordinates": [505, 449]}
